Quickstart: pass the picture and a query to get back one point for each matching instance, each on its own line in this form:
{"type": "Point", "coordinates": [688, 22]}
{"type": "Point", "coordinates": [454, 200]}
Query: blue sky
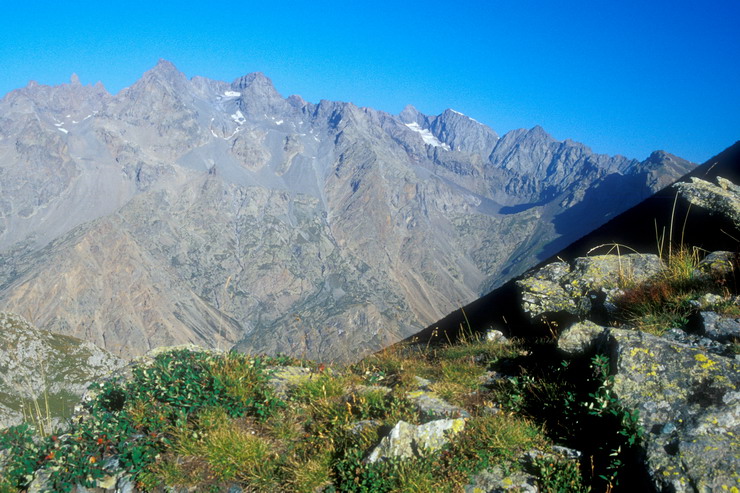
{"type": "Point", "coordinates": [623, 77]}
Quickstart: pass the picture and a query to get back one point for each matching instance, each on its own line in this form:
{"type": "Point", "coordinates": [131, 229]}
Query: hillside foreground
{"type": "Point", "coordinates": [625, 378]}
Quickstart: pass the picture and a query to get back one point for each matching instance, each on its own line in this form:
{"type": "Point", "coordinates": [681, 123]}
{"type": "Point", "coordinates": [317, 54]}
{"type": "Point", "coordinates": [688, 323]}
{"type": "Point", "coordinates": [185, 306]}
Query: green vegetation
{"type": "Point", "coordinates": [211, 420]}
{"type": "Point", "coordinates": [664, 302]}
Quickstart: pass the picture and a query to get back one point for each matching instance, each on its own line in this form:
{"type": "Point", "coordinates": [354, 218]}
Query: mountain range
{"type": "Point", "coordinates": [222, 214]}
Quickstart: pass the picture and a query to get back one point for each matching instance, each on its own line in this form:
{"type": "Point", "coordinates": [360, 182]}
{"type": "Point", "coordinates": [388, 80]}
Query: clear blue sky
{"type": "Point", "coordinates": [623, 77]}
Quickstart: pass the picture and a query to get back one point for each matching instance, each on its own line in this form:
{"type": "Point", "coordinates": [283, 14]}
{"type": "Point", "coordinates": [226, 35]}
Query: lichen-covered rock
{"type": "Point", "coordinates": [542, 292]}
{"type": "Point", "coordinates": [587, 289]}
{"type": "Point", "coordinates": [406, 440]}
{"type": "Point", "coordinates": [689, 406]}
{"type": "Point", "coordinates": [706, 300]}
{"type": "Point", "coordinates": [719, 328]}
{"type": "Point", "coordinates": [496, 480]}
{"type": "Point", "coordinates": [716, 265]}
{"type": "Point", "coordinates": [430, 405]}
{"type": "Point", "coordinates": [723, 199]}
{"type": "Point", "coordinates": [581, 338]}
{"type": "Point", "coordinates": [606, 272]}
{"type": "Point", "coordinates": [284, 378]}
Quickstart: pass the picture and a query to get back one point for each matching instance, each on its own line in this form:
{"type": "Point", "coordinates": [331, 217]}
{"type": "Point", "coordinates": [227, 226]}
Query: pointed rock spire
{"type": "Point", "coordinates": [410, 114]}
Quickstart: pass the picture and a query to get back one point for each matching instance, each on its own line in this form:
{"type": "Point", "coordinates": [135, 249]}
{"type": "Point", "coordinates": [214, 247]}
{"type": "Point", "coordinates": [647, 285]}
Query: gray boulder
{"type": "Point", "coordinates": [689, 406]}
{"type": "Point", "coordinates": [715, 265]}
{"type": "Point", "coordinates": [543, 292]}
{"type": "Point", "coordinates": [406, 440]}
{"type": "Point", "coordinates": [719, 328]}
{"type": "Point", "coordinates": [581, 338]}
{"type": "Point", "coordinates": [722, 199]}
{"type": "Point", "coordinates": [587, 288]}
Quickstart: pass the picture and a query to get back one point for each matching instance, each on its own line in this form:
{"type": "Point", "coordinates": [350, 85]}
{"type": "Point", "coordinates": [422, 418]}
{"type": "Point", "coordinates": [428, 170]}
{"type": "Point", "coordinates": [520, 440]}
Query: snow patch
{"type": "Point", "coordinates": [462, 114]}
{"type": "Point", "coordinates": [238, 117]}
{"type": "Point", "coordinates": [232, 94]}
{"type": "Point", "coordinates": [279, 122]}
{"type": "Point", "coordinates": [234, 133]}
{"type": "Point", "coordinates": [63, 130]}
{"type": "Point", "coordinates": [427, 136]}
{"type": "Point", "coordinates": [88, 116]}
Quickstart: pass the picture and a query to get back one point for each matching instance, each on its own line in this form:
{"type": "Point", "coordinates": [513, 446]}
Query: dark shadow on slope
{"type": "Point", "coordinates": [634, 228]}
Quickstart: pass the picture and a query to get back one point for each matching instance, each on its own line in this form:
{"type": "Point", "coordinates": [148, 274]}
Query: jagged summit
{"type": "Point", "coordinates": [410, 114]}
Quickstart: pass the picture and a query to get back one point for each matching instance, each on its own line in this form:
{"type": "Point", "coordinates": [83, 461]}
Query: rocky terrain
{"type": "Point", "coordinates": [635, 387]}
{"type": "Point", "coordinates": [42, 374]}
{"type": "Point", "coordinates": [222, 214]}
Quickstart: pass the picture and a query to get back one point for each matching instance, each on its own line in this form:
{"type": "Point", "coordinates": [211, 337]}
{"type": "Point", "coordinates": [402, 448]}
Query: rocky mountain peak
{"type": "Point", "coordinates": [257, 83]}
{"type": "Point", "coordinates": [410, 115]}
{"type": "Point", "coordinates": [363, 225]}
{"type": "Point", "coordinates": [538, 133]}
{"type": "Point", "coordinates": [463, 133]}
{"type": "Point", "coordinates": [163, 71]}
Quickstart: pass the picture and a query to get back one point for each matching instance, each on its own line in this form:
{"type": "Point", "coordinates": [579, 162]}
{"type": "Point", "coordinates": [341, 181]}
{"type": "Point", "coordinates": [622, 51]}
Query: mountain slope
{"type": "Point", "coordinates": [51, 369]}
{"type": "Point", "coordinates": [201, 211]}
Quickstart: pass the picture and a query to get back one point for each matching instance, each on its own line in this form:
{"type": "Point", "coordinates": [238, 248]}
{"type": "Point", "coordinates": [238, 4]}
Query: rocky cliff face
{"type": "Point", "coordinates": [201, 211]}
{"type": "Point", "coordinates": [51, 371]}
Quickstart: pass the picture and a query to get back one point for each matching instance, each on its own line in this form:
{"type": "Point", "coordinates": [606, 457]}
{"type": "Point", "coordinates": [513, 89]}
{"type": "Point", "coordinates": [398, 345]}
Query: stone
{"type": "Point", "coordinates": [494, 335]}
{"type": "Point", "coordinates": [605, 272]}
{"type": "Point", "coordinates": [716, 265]}
{"type": "Point", "coordinates": [544, 297]}
{"type": "Point", "coordinates": [581, 338]}
{"type": "Point", "coordinates": [285, 378]}
{"type": "Point", "coordinates": [496, 480]}
{"type": "Point", "coordinates": [688, 402]}
{"type": "Point", "coordinates": [586, 290]}
{"type": "Point", "coordinates": [721, 329]}
{"type": "Point", "coordinates": [706, 300]}
{"type": "Point", "coordinates": [566, 452]}
{"type": "Point", "coordinates": [422, 383]}
{"type": "Point", "coordinates": [431, 406]}
{"type": "Point", "coordinates": [406, 440]}
{"type": "Point", "coordinates": [722, 199]}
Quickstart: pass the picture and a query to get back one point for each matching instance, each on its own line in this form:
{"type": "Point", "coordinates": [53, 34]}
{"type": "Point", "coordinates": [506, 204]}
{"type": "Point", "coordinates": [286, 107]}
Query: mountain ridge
{"type": "Point", "coordinates": [316, 229]}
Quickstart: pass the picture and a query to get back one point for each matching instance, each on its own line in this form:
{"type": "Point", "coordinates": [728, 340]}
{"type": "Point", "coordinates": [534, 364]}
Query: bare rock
{"type": "Point", "coordinates": [722, 199]}
{"type": "Point", "coordinates": [432, 406]}
{"type": "Point", "coordinates": [497, 480]}
{"type": "Point", "coordinates": [581, 338]}
{"type": "Point", "coordinates": [406, 440]}
{"type": "Point", "coordinates": [716, 265]}
{"type": "Point", "coordinates": [719, 328]}
{"type": "Point", "coordinates": [689, 406]}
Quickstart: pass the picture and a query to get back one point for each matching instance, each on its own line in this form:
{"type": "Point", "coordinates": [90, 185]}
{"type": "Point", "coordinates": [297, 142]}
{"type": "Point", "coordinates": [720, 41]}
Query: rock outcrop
{"type": "Point", "coordinates": [722, 199]}
{"type": "Point", "coordinates": [51, 371]}
{"type": "Point", "coordinates": [406, 440]}
{"type": "Point", "coordinates": [683, 385]}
